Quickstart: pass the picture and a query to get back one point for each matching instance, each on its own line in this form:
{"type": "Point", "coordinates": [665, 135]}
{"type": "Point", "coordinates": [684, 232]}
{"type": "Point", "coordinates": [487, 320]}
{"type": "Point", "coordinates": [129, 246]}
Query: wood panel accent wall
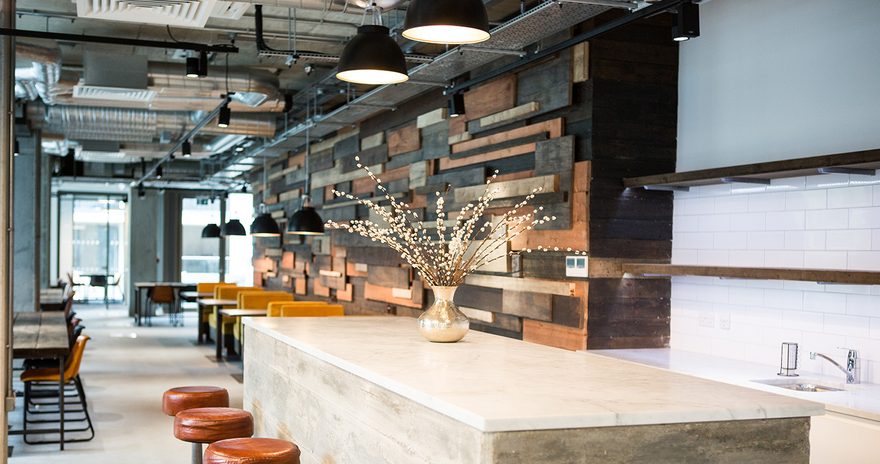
{"type": "Point", "coordinates": [575, 125]}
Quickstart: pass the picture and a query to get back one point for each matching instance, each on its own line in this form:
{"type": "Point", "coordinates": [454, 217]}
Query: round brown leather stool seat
{"type": "Point", "coordinates": [252, 451]}
{"type": "Point", "coordinates": [207, 425]}
{"type": "Point", "coordinates": [183, 398]}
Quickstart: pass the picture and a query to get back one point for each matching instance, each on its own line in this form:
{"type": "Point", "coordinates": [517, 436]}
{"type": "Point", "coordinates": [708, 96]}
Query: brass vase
{"type": "Point", "coordinates": [443, 322]}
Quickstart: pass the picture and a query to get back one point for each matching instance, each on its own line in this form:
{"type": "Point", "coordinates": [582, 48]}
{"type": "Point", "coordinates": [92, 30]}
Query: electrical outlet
{"type": "Point", "coordinates": [724, 321]}
{"type": "Point", "coordinates": [707, 319]}
{"type": "Point", "coordinates": [577, 266]}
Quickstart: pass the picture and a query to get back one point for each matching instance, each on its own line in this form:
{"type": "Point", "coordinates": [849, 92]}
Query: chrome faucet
{"type": "Point", "coordinates": [852, 364]}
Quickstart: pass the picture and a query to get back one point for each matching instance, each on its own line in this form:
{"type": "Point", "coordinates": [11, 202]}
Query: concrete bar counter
{"type": "Point", "coordinates": [371, 390]}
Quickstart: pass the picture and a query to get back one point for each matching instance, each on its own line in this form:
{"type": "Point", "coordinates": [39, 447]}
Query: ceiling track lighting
{"type": "Point", "coordinates": [16, 149]}
{"type": "Point", "coordinates": [225, 115]}
{"type": "Point", "coordinates": [158, 172]}
{"type": "Point", "coordinates": [186, 149]}
{"type": "Point", "coordinates": [197, 66]}
{"type": "Point", "coordinates": [687, 22]}
{"type": "Point", "coordinates": [447, 21]}
{"type": "Point", "coordinates": [372, 57]}
{"type": "Point", "coordinates": [141, 192]}
{"type": "Point", "coordinates": [456, 105]}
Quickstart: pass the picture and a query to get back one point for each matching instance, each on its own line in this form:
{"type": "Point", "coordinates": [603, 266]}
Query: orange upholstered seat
{"type": "Point", "coordinates": [207, 425]}
{"type": "Point", "coordinates": [252, 451]}
{"type": "Point", "coordinates": [71, 367]}
{"type": "Point", "coordinates": [183, 398]}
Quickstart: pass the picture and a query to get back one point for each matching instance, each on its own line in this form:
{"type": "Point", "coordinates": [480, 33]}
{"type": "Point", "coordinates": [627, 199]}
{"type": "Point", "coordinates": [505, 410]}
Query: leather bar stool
{"type": "Point", "coordinates": [182, 398]}
{"type": "Point", "coordinates": [252, 451]}
{"type": "Point", "coordinates": [207, 425]}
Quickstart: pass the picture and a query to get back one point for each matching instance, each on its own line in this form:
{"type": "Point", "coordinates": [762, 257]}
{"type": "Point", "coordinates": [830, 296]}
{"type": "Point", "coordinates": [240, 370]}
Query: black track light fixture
{"type": "Point", "coordinates": [159, 172]}
{"type": "Point", "coordinates": [16, 149]}
{"type": "Point", "coordinates": [687, 22]}
{"type": "Point", "coordinates": [211, 231]}
{"type": "Point", "coordinates": [447, 21]}
{"type": "Point", "coordinates": [203, 64]}
{"type": "Point", "coordinates": [141, 191]}
{"type": "Point", "coordinates": [372, 57]}
{"type": "Point", "coordinates": [192, 67]}
{"type": "Point", "coordinates": [456, 105]}
{"type": "Point", "coordinates": [186, 149]}
{"type": "Point", "coordinates": [225, 115]}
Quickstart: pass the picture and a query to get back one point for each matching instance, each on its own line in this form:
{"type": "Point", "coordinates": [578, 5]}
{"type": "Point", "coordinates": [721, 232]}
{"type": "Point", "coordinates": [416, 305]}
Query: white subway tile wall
{"type": "Point", "coordinates": [820, 222]}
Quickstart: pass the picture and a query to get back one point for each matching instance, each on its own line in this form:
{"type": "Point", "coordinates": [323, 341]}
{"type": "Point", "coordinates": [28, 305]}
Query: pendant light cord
{"type": "Point", "coordinates": [307, 187]}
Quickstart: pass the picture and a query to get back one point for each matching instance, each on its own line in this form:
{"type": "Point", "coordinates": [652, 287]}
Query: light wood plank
{"type": "Point", "coordinates": [806, 275]}
{"type": "Point", "coordinates": [512, 113]}
{"type": "Point", "coordinates": [431, 117]}
{"type": "Point", "coordinates": [554, 287]}
{"type": "Point", "coordinates": [580, 62]}
{"type": "Point", "coordinates": [508, 189]}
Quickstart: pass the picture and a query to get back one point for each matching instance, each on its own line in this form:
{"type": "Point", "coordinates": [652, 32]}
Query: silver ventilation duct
{"type": "Point", "coordinates": [95, 123]}
{"type": "Point", "coordinates": [41, 76]}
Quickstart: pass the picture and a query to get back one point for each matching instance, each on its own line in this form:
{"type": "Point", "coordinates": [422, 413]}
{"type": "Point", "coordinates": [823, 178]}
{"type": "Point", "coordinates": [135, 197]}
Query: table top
{"type": "Point", "coordinates": [244, 312]}
{"type": "Point", "coordinates": [39, 335]}
{"type": "Point", "coordinates": [162, 284]}
{"type": "Point", "coordinates": [495, 384]}
{"type": "Point", "coordinates": [195, 294]}
{"type": "Point", "coordinates": [216, 302]}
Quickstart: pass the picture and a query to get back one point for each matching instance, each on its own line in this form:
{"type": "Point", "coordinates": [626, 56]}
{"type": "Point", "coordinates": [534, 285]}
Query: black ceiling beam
{"type": "Point", "coordinates": [651, 10]}
{"type": "Point", "coordinates": [197, 47]}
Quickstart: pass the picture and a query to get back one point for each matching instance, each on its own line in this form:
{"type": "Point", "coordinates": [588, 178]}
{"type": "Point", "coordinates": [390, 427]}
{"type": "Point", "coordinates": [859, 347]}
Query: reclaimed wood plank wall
{"type": "Point", "coordinates": [576, 125]}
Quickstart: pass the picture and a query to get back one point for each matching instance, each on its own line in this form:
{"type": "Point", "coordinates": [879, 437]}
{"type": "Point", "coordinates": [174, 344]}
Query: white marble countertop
{"type": "Point", "coordinates": [495, 384]}
{"type": "Point", "coordinates": [861, 400]}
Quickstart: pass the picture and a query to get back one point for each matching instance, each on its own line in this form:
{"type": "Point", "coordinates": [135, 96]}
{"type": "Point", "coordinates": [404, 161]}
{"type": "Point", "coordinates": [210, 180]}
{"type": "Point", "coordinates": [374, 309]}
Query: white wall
{"type": "Point", "coordinates": [779, 79]}
{"type": "Point", "coordinates": [830, 221]}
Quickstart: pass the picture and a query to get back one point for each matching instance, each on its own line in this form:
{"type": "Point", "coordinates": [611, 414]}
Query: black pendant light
{"type": "Point", "coordinates": [687, 22]}
{"type": "Point", "coordinates": [224, 116]}
{"type": "Point", "coordinates": [372, 56]}
{"type": "Point", "coordinates": [211, 231]}
{"type": "Point", "coordinates": [306, 221]}
{"type": "Point", "coordinates": [186, 149]}
{"type": "Point", "coordinates": [447, 21]}
{"type": "Point", "coordinates": [233, 227]}
{"type": "Point", "coordinates": [265, 226]}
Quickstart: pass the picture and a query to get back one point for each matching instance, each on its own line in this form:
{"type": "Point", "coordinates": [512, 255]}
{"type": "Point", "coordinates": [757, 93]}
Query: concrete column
{"type": "Point", "coordinates": [7, 117]}
{"type": "Point", "coordinates": [27, 254]}
{"type": "Point", "coordinates": [143, 231]}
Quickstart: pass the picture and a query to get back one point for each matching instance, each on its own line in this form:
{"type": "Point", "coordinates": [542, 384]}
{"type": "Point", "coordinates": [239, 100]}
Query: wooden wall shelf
{"type": "Point", "coordinates": [806, 275]}
{"type": "Point", "coordinates": [859, 162]}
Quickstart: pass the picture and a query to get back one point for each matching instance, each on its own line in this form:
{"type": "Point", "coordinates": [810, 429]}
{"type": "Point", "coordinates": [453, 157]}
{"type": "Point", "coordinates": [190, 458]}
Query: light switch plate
{"type": "Point", "coordinates": [577, 266]}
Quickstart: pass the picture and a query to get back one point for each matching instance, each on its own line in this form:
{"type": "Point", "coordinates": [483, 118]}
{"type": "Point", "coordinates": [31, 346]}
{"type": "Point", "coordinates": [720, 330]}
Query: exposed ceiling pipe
{"type": "Point", "coordinates": [76, 38]}
{"type": "Point", "coordinates": [43, 73]}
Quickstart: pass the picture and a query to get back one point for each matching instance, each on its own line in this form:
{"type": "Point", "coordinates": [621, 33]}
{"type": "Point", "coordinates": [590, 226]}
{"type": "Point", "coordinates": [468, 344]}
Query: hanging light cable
{"type": "Point", "coordinates": [372, 56]}
{"type": "Point", "coordinates": [306, 221]}
{"type": "Point", "coordinates": [264, 225]}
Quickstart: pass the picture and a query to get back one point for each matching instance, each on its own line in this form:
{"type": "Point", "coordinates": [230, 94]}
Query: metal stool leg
{"type": "Point", "coordinates": [196, 453]}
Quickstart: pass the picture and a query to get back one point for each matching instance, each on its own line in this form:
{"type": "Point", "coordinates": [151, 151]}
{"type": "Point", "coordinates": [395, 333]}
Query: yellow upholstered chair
{"type": "Point", "coordinates": [274, 309]}
{"type": "Point", "coordinates": [227, 293]}
{"type": "Point", "coordinates": [257, 300]}
{"type": "Point", "coordinates": [205, 287]}
{"type": "Point", "coordinates": [315, 309]}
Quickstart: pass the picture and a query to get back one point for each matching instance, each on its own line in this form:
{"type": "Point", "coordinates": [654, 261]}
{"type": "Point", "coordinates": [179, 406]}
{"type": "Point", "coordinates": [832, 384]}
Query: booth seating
{"type": "Point", "coordinates": [311, 309]}
{"type": "Point", "coordinates": [255, 300]}
{"type": "Point", "coordinates": [50, 376]}
{"type": "Point", "coordinates": [252, 451]}
{"type": "Point", "coordinates": [227, 292]}
{"type": "Point", "coordinates": [274, 308]}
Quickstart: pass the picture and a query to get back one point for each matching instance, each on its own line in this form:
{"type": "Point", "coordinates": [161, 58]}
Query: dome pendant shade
{"type": "Point", "coordinates": [306, 221]}
{"type": "Point", "coordinates": [372, 57]}
{"type": "Point", "coordinates": [265, 226]}
{"type": "Point", "coordinates": [233, 227]}
{"type": "Point", "coordinates": [211, 231]}
{"type": "Point", "coordinates": [447, 21]}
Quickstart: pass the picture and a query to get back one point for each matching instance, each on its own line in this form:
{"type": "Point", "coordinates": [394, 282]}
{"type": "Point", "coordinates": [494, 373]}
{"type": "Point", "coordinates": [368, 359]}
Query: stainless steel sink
{"type": "Point", "coordinates": [803, 385]}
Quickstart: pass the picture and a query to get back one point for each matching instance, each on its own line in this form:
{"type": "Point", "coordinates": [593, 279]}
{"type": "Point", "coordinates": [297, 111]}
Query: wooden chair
{"type": "Point", "coordinates": [205, 287]}
{"type": "Point", "coordinates": [163, 295]}
{"type": "Point", "coordinates": [43, 376]}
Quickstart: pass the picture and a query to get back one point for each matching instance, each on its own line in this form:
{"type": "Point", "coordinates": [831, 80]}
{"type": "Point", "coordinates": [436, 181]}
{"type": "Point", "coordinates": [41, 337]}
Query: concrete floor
{"type": "Point", "coordinates": [125, 371]}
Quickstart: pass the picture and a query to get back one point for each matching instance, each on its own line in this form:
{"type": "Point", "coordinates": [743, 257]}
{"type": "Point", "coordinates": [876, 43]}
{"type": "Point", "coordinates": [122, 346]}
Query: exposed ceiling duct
{"type": "Point", "coordinates": [38, 79]}
{"type": "Point", "coordinates": [183, 13]}
{"type": "Point", "coordinates": [97, 123]}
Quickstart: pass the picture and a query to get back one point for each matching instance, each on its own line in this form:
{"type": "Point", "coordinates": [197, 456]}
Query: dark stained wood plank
{"type": "Point", "coordinates": [554, 156]}
{"type": "Point", "coordinates": [368, 157]}
{"type": "Point", "coordinates": [435, 141]}
{"type": "Point", "coordinates": [404, 139]}
{"type": "Point", "coordinates": [321, 160]}
{"type": "Point", "coordinates": [805, 275]}
{"type": "Point", "coordinates": [530, 305]}
{"type": "Point", "coordinates": [485, 298]}
{"type": "Point", "coordinates": [568, 311]}
{"type": "Point", "coordinates": [347, 147]}
{"type": "Point", "coordinates": [373, 255]}
{"type": "Point", "coordinates": [388, 276]}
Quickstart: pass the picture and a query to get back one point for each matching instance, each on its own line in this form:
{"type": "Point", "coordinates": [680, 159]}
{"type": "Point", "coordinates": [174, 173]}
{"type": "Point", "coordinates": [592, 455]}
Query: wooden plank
{"type": "Point", "coordinates": [300, 286]}
{"type": "Point", "coordinates": [346, 293]}
{"type": "Point", "coordinates": [435, 141]}
{"type": "Point", "coordinates": [524, 285]}
{"type": "Point", "coordinates": [560, 336]}
{"type": "Point", "coordinates": [512, 113]}
{"type": "Point", "coordinates": [869, 159]}
{"type": "Point", "coordinates": [475, 314]}
{"type": "Point", "coordinates": [403, 140]}
{"type": "Point", "coordinates": [458, 138]}
{"type": "Point", "coordinates": [569, 311]}
{"type": "Point", "coordinates": [373, 141]}
{"type": "Point", "coordinates": [446, 163]}
{"type": "Point", "coordinates": [336, 175]}
{"type": "Point", "coordinates": [805, 275]}
{"type": "Point", "coordinates": [287, 260]}
{"type": "Point", "coordinates": [580, 62]}
{"type": "Point", "coordinates": [418, 174]}
{"type": "Point", "coordinates": [554, 127]}
{"type": "Point", "coordinates": [367, 157]}
{"type": "Point", "coordinates": [377, 293]}
{"type": "Point", "coordinates": [346, 148]}
{"type": "Point", "coordinates": [501, 145]}
{"type": "Point", "coordinates": [480, 297]}
{"type": "Point", "coordinates": [378, 256]}
{"type": "Point", "coordinates": [528, 304]}
{"type": "Point", "coordinates": [389, 276]}
{"type": "Point", "coordinates": [321, 160]}
{"type": "Point", "coordinates": [431, 117]}
{"type": "Point", "coordinates": [507, 189]}
{"type": "Point", "coordinates": [555, 155]}
{"type": "Point", "coordinates": [319, 289]}
{"type": "Point", "coordinates": [492, 97]}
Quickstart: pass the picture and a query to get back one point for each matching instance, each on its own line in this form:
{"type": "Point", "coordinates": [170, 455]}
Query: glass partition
{"type": "Point", "coordinates": [200, 257]}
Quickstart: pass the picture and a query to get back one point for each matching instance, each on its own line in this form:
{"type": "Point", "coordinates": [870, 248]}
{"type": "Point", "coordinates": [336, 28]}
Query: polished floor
{"type": "Point", "coordinates": [125, 370]}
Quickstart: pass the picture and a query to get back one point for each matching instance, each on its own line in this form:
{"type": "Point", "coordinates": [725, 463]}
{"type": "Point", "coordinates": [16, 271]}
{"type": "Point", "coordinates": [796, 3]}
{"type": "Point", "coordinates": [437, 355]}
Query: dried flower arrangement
{"type": "Point", "coordinates": [473, 241]}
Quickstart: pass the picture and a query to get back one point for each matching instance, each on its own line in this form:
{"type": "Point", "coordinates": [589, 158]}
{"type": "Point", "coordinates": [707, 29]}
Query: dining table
{"type": "Point", "coordinates": [213, 304]}
{"type": "Point", "coordinates": [139, 288]}
{"type": "Point", "coordinates": [42, 335]}
{"type": "Point", "coordinates": [233, 313]}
